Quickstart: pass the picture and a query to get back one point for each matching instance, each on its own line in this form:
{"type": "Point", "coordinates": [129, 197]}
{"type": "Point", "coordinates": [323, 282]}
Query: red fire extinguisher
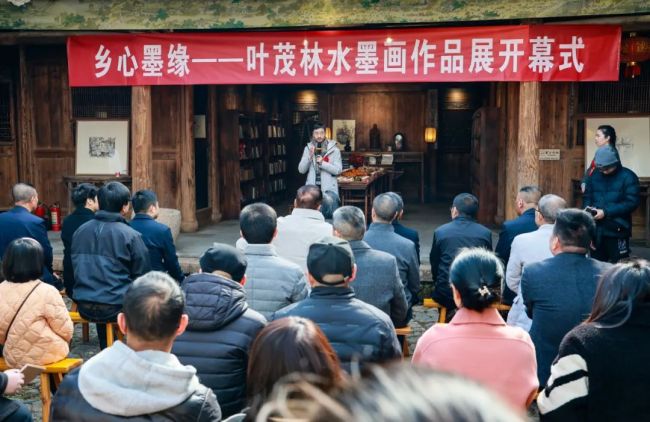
{"type": "Point", "coordinates": [41, 211]}
{"type": "Point", "coordinates": [55, 216]}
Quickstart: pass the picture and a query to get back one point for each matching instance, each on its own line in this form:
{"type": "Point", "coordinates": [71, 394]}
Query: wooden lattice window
{"type": "Point", "coordinates": [6, 111]}
{"type": "Point", "coordinates": [101, 103]}
{"type": "Point", "coordinates": [622, 96]}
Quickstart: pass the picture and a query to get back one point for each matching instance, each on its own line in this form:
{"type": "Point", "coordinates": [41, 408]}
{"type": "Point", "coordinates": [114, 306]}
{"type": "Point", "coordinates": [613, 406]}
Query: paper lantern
{"type": "Point", "coordinates": [633, 51]}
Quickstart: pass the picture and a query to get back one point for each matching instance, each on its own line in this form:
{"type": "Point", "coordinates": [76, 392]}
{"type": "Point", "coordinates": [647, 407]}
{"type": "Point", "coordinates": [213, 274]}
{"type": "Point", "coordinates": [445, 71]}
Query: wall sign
{"type": "Point", "coordinates": [486, 53]}
{"type": "Point", "coordinates": [549, 154]}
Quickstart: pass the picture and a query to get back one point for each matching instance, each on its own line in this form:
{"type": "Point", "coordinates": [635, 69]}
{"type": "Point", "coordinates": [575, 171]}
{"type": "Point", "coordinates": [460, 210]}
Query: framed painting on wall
{"type": "Point", "coordinates": [102, 147]}
{"type": "Point", "coordinates": [343, 131]}
{"type": "Point", "coordinates": [632, 141]}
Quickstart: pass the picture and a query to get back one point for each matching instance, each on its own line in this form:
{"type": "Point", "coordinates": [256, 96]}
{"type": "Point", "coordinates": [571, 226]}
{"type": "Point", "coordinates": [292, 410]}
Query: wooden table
{"type": "Point", "coordinates": [72, 182]}
{"type": "Point", "coordinates": [362, 193]}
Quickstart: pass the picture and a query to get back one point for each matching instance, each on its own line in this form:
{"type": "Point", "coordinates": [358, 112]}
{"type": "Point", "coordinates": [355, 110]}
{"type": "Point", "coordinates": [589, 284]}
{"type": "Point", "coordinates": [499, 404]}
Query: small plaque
{"type": "Point", "coordinates": [549, 154]}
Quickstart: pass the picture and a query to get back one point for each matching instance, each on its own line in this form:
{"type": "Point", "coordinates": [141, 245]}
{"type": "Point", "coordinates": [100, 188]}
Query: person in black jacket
{"type": "Point", "coordinates": [140, 380]}
{"type": "Point", "coordinates": [107, 255]}
{"type": "Point", "coordinates": [157, 236]}
{"type": "Point", "coordinates": [401, 229]}
{"type": "Point", "coordinates": [11, 381]}
{"type": "Point", "coordinates": [222, 326]}
{"type": "Point", "coordinates": [84, 198]}
{"type": "Point", "coordinates": [462, 232]}
{"type": "Point", "coordinates": [611, 195]}
{"type": "Point", "coordinates": [358, 332]}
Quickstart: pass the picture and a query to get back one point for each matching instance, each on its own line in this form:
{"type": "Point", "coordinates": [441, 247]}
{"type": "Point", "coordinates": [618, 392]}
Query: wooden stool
{"type": "Point", "coordinates": [54, 372]}
{"type": "Point", "coordinates": [442, 311]}
{"type": "Point", "coordinates": [85, 328]}
{"type": "Point", "coordinates": [404, 331]}
{"type": "Point", "coordinates": [110, 328]}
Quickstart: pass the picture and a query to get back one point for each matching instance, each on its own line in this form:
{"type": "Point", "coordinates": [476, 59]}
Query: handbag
{"type": "Point", "coordinates": [18, 311]}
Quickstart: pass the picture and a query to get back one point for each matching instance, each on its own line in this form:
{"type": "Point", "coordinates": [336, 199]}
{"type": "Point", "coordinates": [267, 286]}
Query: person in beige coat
{"type": "Point", "coordinates": [35, 326]}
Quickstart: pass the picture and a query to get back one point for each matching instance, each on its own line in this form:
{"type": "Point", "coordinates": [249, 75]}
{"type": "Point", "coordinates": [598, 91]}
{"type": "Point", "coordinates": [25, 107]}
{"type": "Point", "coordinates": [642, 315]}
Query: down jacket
{"type": "Point", "coordinates": [42, 329]}
{"type": "Point", "coordinates": [218, 337]}
{"type": "Point", "coordinates": [617, 194]}
{"type": "Point", "coordinates": [272, 282]}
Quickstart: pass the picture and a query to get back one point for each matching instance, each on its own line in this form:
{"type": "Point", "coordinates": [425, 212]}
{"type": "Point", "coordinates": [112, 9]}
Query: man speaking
{"type": "Point", "coordinates": [321, 160]}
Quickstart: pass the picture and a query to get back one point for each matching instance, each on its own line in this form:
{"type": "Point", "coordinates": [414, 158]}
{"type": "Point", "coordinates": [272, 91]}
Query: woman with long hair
{"type": "Point", "coordinates": [602, 371]}
{"type": "Point", "coordinates": [605, 136]}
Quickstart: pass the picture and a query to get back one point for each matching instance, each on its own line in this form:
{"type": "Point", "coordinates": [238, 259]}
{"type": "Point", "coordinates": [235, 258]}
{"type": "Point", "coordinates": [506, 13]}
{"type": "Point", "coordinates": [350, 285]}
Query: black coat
{"type": "Point", "coordinates": [617, 194]}
{"type": "Point", "coordinates": [357, 331]}
{"type": "Point", "coordinates": [158, 239]}
{"type": "Point", "coordinates": [70, 406]}
{"type": "Point", "coordinates": [107, 255]}
{"type": "Point", "coordinates": [71, 223]}
{"type": "Point", "coordinates": [218, 337]}
{"type": "Point", "coordinates": [7, 407]}
{"type": "Point", "coordinates": [409, 234]}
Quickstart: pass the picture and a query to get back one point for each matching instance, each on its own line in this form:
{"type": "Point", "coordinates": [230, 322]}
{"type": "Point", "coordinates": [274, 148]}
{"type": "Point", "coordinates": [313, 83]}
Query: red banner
{"type": "Point", "coordinates": [487, 53]}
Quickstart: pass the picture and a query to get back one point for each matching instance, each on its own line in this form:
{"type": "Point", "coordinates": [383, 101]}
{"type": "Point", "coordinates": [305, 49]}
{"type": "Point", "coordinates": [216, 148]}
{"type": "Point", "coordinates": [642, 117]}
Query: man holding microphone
{"type": "Point", "coordinates": [321, 160]}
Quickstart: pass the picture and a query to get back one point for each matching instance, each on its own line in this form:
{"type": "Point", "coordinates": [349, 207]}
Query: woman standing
{"type": "Point", "coordinates": [602, 371]}
{"type": "Point", "coordinates": [605, 135]}
{"type": "Point", "coordinates": [477, 343]}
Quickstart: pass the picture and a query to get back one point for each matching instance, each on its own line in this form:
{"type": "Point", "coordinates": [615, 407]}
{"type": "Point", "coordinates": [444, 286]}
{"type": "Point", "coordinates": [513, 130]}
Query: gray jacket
{"type": "Point", "coordinates": [382, 237]}
{"type": "Point", "coordinates": [378, 282]}
{"type": "Point", "coordinates": [272, 282]}
{"type": "Point", "coordinates": [329, 168]}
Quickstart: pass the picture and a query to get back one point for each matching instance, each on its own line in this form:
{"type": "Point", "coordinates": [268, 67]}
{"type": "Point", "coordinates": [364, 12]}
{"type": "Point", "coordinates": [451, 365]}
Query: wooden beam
{"type": "Point", "coordinates": [189, 222]}
{"type": "Point", "coordinates": [26, 168]}
{"type": "Point", "coordinates": [142, 139]}
{"type": "Point", "coordinates": [529, 133]}
{"type": "Point", "coordinates": [213, 139]}
{"type": "Point", "coordinates": [512, 125]}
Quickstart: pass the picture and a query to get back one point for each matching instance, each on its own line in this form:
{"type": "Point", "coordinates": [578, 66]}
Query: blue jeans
{"type": "Point", "coordinates": [14, 411]}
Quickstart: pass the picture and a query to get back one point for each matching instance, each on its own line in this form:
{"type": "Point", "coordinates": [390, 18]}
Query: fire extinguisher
{"type": "Point", "coordinates": [41, 211]}
{"type": "Point", "coordinates": [55, 217]}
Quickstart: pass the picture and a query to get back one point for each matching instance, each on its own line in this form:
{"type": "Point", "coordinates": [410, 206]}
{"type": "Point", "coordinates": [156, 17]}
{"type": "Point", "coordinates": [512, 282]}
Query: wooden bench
{"type": "Point", "coordinates": [85, 327]}
{"type": "Point", "coordinates": [54, 373]}
{"type": "Point", "coordinates": [111, 332]}
{"type": "Point", "coordinates": [404, 331]}
{"type": "Point", "coordinates": [442, 311]}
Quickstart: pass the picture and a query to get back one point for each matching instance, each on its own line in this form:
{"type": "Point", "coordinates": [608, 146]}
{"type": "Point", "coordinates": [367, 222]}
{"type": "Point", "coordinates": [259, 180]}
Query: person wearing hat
{"type": "Point", "coordinates": [611, 195]}
{"type": "Point", "coordinates": [221, 325]}
{"type": "Point", "coordinates": [359, 333]}
{"type": "Point", "coordinates": [321, 160]}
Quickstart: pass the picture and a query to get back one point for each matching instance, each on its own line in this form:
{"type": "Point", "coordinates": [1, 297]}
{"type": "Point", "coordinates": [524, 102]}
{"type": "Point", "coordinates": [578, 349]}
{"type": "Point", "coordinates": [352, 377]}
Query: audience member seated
{"type": "Point", "coordinates": [84, 198]}
{"type": "Point", "coordinates": [221, 326]}
{"type": "Point", "coordinates": [477, 343]}
{"type": "Point", "coordinates": [558, 292]}
{"type": "Point", "coordinates": [272, 282]}
{"type": "Point", "coordinates": [330, 203]}
{"type": "Point", "coordinates": [397, 393]}
{"type": "Point", "coordinates": [462, 232]}
{"type": "Point", "coordinates": [382, 237]}
{"type": "Point", "coordinates": [304, 226]}
{"type": "Point", "coordinates": [528, 248]}
{"type": "Point", "coordinates": [602, 371]}
{"type": "Point", "coordinates": [300, 350]}
{"type": "Point", "coordinates": [35, 326]}
{"type": "Point", "coordinates": [377, 282]}
{"type": "Point", "coordinates": [140, 379]}
{"type": "Point", "coordinates": [11, 381]}
{"type": "Point", "coordinates": [401, 229]}
{"type": "Point", "coordinates": [19, 222]}
{"type": "Point", "coordinates": [358, 332]}
{"type": "Point", "coordinates": [107, 255]}
{"type": "Point", "coordinates": [156, 236]}
{"type": "Point", "coordinates": [525, 206]}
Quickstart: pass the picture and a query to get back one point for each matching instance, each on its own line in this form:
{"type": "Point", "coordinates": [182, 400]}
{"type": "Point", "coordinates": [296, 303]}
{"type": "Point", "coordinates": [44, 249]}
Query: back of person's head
{"type": "Point", "coordinates": [477, 274]}
{"type": "Point", "coordinates": [349, 222]}
{"type": "Point", "coordinates": [287, 347]}
{"type": "Point", "coordinates": [142, 200]}
{"type": "Point", "coordinates": [530, 194]}
{"type": "Point", "coordinates": [309, 197]}
{"type": "Point", "coordinates": [23, 192]}
{"type": "Point", "coordinates": [225, 260]}
{"type": "Point", "coordinates": [621, 289]}
{"type": "Point", "coordinates": [574, 228]}
{"type": "Point", "coordinates": [330, 261]}
{"type": "Point", "coordinates": [609, 131]}
{"type": "Point", "coordinates": [466, 204]}
{"type": "Point", "coordinates": [407, 393]}
{"type": "Point", "coordinates": [153, 307]}
{"type": "Point", "coordinates": [82, 193]}
{"type": "Point", "coordinates": [398, 198]}
{"type": "Point", "coordinates": [113, 196]}
{"type": "Point", "coordinates": [549, 206]}
{"type": "Point", "coordinates": [23, 260]}
{"type": "Point", "coordinates": [257, 223]}
{"type": "Point", "coordinates": [329, 205]}
{"type": "Point", "coordinates": [385, 207]}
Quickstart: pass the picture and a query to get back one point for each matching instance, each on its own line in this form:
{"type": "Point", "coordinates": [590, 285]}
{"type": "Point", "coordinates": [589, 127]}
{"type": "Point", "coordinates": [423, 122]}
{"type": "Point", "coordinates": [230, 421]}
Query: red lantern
{"type": "Point", "coordinates": [633, 51]}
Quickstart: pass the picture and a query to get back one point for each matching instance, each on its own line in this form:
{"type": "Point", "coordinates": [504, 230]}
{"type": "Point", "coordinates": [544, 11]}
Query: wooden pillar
{"type": "Point", "coordinates": [142, 138]}
{"type": "Point", "coordinates": [501, 102]}
{"type": "Point", "coordinates": [26, 167]}
{"type": "Point", "coordinates": [187, 181]}
{"type": "Point", "coordinates": [529, 133]}
{"type": "Point", "coordinates": [213, 138]}
{"type": "Point", "coordinates": [512, 126]}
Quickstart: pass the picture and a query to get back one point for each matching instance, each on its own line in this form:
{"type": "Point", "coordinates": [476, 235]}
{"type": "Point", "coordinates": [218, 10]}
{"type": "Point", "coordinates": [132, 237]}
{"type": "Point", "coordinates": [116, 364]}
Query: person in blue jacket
{"type": "Point", "coordinates": [157, 237]}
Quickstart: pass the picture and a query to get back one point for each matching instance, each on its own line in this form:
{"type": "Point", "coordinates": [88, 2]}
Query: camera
{"type": "Point", "coordinates": [591, 211]}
